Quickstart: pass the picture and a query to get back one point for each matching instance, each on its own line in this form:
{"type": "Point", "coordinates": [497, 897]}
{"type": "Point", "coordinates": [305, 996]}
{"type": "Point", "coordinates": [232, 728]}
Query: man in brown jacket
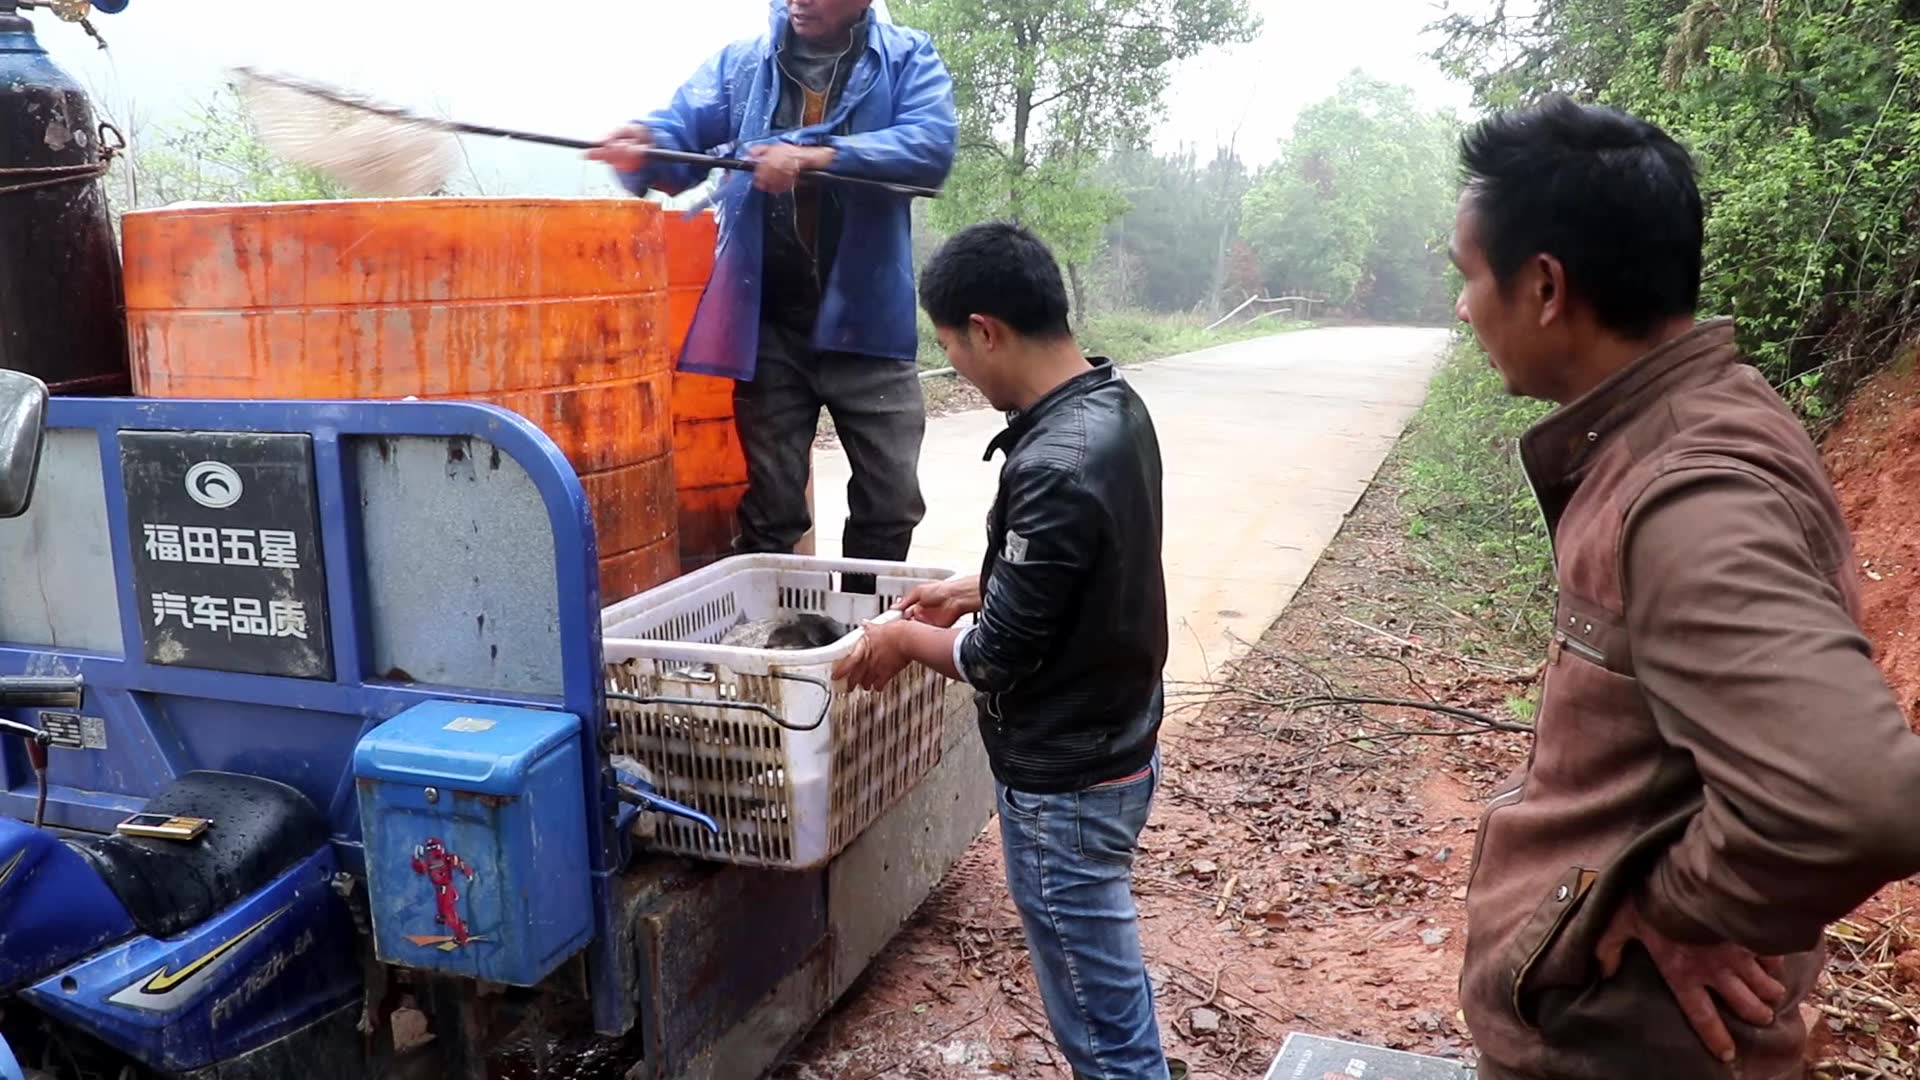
{"type": "Point", "coordinates": [1718, 769]}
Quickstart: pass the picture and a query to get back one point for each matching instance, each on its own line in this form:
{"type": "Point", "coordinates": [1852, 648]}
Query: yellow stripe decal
{"type": "Point", "coordinates": [163, 980]}
{"type": "Point", "coordinates": [12, 864]}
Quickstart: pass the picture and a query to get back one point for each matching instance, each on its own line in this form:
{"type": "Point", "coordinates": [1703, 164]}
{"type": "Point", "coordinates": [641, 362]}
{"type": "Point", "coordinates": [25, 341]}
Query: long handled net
{"type": "Point", "coordinates": [380, 150]}
{"type": "Point", "coordinates": [368, 148]}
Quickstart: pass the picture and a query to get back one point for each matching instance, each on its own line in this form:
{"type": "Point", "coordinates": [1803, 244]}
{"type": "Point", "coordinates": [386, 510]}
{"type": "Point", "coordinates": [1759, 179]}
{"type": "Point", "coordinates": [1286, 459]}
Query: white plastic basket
{"type": "Point", "coordinates": [792, 767]}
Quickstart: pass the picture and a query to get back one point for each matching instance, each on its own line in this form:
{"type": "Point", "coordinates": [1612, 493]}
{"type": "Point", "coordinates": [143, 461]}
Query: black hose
{"type": "Point", "coordinates": [37, 745]}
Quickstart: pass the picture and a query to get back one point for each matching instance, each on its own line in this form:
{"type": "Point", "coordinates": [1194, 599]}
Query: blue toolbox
{"type": "Point", "coordinates": [476, 845]}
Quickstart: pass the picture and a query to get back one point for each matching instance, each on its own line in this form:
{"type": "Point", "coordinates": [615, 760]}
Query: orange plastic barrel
{"type": "Point", "coordinates": [554, 308]}
{"type": "Point", "coordinates": [708, 460]}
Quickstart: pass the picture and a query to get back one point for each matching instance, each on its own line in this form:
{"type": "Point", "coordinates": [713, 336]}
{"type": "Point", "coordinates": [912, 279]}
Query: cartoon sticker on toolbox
{"type": "Point", "coordinates": [433, 861]}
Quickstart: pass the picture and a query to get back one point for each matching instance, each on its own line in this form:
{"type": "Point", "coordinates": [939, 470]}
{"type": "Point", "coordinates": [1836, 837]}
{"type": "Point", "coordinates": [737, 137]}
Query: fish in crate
{"type": "Point", "coordinates": [803, 630]}
{"type": "Point", "coordinates": [721, 684]}
{"type": "Point", "coordinates": [736, 762]}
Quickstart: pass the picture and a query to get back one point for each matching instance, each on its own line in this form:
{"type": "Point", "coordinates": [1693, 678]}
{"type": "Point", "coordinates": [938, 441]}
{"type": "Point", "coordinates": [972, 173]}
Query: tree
{"type": "Point", "coordinates": [1243, 276]}
{"type": "Point", "coordinates": [212, 155]}
{"type": "Point", "coordinates": [1804, 121]}
{"type": "Point", "coordinates": [1227, 184]}
{"type": "Point", "coordinates": [1360, 203]}
{"type": "Point", "coordinates": [1045, 88]}
{"type": "Point", "coordinates": [1181, 221]}
{"type": "Point", "coordinates": [1573, 45]}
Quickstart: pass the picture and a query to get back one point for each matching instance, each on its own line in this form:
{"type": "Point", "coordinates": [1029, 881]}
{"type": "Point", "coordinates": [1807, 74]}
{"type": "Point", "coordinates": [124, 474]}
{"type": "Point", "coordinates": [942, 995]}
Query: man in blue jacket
{"type": "Point", "coordinates": [811, 302]}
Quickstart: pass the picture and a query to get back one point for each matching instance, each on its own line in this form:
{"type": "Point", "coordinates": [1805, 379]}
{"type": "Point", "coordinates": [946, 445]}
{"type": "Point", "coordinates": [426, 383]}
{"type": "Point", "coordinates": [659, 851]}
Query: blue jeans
{"type": "Point", "coordinates": [1069, 868]}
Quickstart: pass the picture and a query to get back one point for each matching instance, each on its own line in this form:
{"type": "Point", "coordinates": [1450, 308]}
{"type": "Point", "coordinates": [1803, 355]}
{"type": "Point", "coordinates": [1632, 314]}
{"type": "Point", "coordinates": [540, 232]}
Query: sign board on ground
{"type": "Point", "coordinates": [1311, 1057]}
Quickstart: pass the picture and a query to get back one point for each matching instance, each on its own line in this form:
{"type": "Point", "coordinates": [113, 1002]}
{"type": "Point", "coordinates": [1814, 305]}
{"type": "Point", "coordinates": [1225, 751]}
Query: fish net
{"type": "Point", "coordinates": [370, 149]}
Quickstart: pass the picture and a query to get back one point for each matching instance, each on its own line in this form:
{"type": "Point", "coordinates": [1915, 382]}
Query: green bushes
{"type": "Point", "coordinates": [1805, 122]}
{"type": "Point", "coordinates": [1130, 337]}
{"type": "Point", "coordinates": [1467, 501]}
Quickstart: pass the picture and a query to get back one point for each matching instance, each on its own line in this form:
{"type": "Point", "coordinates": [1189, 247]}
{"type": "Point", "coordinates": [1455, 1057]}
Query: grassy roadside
{"type": "Point", "coordinates": [1127, 337]}
{"type": "Point", "coordinates": [1473, 519]}
{"type": "Point", "coordinates": [1134, 337]}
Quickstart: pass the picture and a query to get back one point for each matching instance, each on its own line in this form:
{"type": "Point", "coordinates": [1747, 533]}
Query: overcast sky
{"type": "Point", "coordinates": [577, 67]}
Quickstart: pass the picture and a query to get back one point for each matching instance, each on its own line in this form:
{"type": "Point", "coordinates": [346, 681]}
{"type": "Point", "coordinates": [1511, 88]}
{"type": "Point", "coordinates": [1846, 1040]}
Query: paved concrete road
{"type": "Point", "coordinates": [1268, 444]}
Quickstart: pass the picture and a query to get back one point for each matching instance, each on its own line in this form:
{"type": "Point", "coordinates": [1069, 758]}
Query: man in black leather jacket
{"type": "Point", "coordinates": [1071, 636]}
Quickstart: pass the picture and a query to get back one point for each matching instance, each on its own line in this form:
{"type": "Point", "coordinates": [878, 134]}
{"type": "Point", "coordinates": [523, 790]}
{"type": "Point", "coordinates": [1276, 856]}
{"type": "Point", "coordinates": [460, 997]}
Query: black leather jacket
{"type": "Point", "coordinates": [1066, 655]}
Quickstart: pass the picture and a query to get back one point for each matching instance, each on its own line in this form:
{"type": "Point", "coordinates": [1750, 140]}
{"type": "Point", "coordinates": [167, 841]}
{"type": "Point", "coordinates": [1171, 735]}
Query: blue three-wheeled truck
{"type": "Point", "coordinates": [318, 756]}
{"type": "Point", "coordinates": [311, 766]}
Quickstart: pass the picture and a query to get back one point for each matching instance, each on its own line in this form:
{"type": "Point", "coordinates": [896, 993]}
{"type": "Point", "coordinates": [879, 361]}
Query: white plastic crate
{"type": "Point", "coordinates": [792, 768]}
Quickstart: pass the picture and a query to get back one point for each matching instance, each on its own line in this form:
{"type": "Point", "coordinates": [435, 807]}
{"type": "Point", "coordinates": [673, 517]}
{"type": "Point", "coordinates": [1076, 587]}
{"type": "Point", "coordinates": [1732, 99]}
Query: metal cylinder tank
{"type": "Point", "coordinates": [61, 318]}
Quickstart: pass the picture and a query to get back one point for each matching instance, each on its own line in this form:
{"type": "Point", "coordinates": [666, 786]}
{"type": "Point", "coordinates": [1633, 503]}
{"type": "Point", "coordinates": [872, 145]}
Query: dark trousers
{"type": "Point", "coordinates": [880, 417]}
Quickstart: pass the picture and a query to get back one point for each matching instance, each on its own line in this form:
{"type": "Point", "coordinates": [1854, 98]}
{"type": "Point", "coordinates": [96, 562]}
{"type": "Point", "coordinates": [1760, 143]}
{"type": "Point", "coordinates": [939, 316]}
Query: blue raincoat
{"type": "Point", "coordinates": [898, 106]}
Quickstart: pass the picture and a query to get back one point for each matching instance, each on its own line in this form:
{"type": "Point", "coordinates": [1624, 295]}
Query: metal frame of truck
{"type": "Point", "coordinates": [713, 970]}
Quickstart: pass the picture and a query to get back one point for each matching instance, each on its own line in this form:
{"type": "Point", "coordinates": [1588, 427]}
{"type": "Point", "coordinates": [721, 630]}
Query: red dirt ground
{"type": "Point", "coordinates": [1874, 457]}
{"type": "Point", "coordinates": [1303, 873]}
{"type": "Point", "coordinates": [1287, 882]}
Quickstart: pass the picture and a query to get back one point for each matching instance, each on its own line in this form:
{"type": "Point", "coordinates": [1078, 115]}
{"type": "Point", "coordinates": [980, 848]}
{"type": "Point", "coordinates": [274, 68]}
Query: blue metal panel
{"type": "Point", "coordinates": [475, 841]}
{"type": "Point", "coordinates": [163, 721]}
{"type": "Point", "coordinates": [10, 1067]}
{"type": "Point", "coordinates": [57, 907]}
{"type": "Point", "coordinates": [59, 588]}
{"type": "Point", "coordinates": [269, 965]}
{"type": "Point", "coordinates": [435, 510]}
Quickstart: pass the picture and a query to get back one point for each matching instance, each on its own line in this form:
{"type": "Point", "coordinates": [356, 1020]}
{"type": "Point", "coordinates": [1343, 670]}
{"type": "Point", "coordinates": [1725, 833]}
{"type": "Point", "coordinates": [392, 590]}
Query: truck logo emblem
{"type": "Point", "coordinates": [166, 989]}
{"type": "Point", "coordinates": [214, 485]}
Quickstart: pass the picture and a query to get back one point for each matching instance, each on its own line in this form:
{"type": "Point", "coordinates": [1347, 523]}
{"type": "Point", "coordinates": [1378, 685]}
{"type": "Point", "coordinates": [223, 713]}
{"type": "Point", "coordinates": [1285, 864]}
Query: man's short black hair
{"type": "Point", "coordinates": [1609, 195]}
{"type": "Point", "coordinates": [997, 269]}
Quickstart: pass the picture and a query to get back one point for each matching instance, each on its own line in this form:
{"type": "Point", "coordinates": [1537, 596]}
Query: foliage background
{"type": "Point", "coordinates": [1804, 118]}
{"type": "Point", "coordinates": [1360, 205]}
{"type": "Point", "coordinates": [1468, 505]}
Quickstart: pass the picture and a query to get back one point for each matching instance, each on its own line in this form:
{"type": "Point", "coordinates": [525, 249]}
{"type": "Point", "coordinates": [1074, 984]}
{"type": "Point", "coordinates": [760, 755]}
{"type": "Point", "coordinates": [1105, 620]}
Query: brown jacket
{"type": "Point", "coordinates": [1713, 737]}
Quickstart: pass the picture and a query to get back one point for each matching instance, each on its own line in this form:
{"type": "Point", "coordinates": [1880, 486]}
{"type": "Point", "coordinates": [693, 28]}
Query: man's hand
{"type": "Point", "coordinates": [777, 166]}
{"type": "Point", "coordinates": [880, 655]}
{"type": "Point", "coordinates": [1695, 973]}
{"type": "Point", "coordinates": [625, 149]}
{"type": "Point", "coordinates": [941, 603]}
